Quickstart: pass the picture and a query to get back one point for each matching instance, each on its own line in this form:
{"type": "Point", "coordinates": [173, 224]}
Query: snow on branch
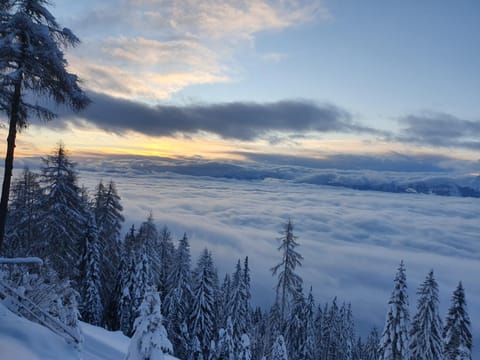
{"type": "Point", "coordinates": [18, 261]}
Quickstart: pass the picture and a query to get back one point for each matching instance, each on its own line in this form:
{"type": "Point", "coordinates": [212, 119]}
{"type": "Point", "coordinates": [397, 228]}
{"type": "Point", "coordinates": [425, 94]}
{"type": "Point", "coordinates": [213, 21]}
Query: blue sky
{"type": "Point", "coordinates": [380, 64]}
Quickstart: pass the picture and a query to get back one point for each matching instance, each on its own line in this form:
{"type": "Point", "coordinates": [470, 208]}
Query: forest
{"type": "Point", "coordinates": [146, 285]}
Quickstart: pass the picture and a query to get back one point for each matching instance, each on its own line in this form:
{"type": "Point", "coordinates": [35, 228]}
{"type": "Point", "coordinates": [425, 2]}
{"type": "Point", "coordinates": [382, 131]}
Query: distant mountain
{"type": "Point", "coordinates": [465, 186]}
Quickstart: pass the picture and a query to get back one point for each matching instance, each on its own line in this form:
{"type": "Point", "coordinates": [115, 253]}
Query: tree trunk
{"type": "Point", "coordinates": [7, 174]}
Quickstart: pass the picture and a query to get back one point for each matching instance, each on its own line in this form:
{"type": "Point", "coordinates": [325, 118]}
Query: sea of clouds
{"type": "Point", "coordinates": [352, 241]}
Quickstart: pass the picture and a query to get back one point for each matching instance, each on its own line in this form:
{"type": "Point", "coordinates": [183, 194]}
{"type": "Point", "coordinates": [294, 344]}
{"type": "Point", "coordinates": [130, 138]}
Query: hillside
{"type": "Point", "coordinates": [21, 339]}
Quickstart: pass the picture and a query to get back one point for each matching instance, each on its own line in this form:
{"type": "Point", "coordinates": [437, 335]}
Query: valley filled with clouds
{"type": "Point", "coordinates": [352, 241]}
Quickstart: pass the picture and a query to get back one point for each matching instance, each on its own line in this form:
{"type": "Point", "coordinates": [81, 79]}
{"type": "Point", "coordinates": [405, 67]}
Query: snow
{"type": "Point", "coordinates": [21, 339]}
{"type": "Point", "coordinates": [26, 260]}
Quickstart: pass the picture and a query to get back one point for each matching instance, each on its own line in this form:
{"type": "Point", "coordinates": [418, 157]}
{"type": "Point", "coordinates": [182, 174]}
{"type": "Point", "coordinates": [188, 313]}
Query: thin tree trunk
{"type": "Point", "coordinates": [7, 174]}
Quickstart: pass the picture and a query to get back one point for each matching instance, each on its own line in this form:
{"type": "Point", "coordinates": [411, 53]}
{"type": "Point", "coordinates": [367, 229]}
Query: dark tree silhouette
{"type": "Point", "coordinates": [32, 66]}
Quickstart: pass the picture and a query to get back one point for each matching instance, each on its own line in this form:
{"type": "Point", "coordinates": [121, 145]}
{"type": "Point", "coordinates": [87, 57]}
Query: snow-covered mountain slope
{"type": "Point", "coordinates": [21, 339]}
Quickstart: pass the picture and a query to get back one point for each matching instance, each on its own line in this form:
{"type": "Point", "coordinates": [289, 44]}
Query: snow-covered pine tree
{"type": "Point", "coordinates": [347, 332]}
{"type": "Point", "coordinates": [108, 217]}
{"type": "Point", "coordinates": [288, 280]}
{"type": "Point", "coordinates": [248, 295]}
{"type": "Point", "coordinates": [166, 251]}
{"type": "Point", "coordinates": [92, 306]}
{"type": "Point", "coordinates": [295, 331]}
{"type": "Point", "coordinates": [24, 221]}
{"type": "Point", "coordinates": [179, 299]}
{"type": "Point", "coordinates": [237, 302]}
{"type": "Point", "coordinates": [202, 315]}
{"type": "Point", "coordinates": [279, 351]}
{"type": "Point", "coordinates": [244, 352]}
{"type": "Point", "coordinates": [125, 304]}
{"type": "Point", "coordinates": [457, 334]}
{"type": "Point", "coordinates": [226, 345]}
{"type": "Point", "coordinates": [148, 237]}
{"type": "Point", "coordinates": [319, 319]}
{"type": "Point", "coordinates": [150, 340]}
{"type": "Point", "coordinates": [224, 301]}
{"type": "Point", "coordinates": [259, 339]}
{"type": "Point", "coordinates": [71, 315]}
{"type": "Point", "coordinates": [196, 352]}
{"type": "Point", "coordinates": [394, 341]}
{"type": "Point", "coordinates": [32, 66]}
{"type": "Point", "coordinates": [113, 313]}
{"type": "Point", "coordinates": [426, 329]}
{"type": "Point", "coordinates": [63, 215]}
{"type": "Point", "coordinates": [370, 349]}
{"type": "Point", "coordinates": [331, 340]}
{"type": "Point", "coordinates": [308, 350]}
{"type": "Point", "coordinates": [275, 325]}
{"type": "Point", "coordinates": [358, 352]}
{"type": "Point", "coordinates": [143, 279]}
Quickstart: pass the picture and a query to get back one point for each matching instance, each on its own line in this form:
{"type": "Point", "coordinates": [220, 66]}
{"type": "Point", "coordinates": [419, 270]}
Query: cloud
{"type": "Point", "coordinates": [182, 42]}
{"type": "Point", "coordinates": [376, 162]}
{"type": "Point", "coordinates": [352, 241]}
{"type": "Point", "coordinates": [236, 120]}
{"type": "Point", "coordinates": [440, 129]}
{"type": "Point", "coordinates": [145, 84]}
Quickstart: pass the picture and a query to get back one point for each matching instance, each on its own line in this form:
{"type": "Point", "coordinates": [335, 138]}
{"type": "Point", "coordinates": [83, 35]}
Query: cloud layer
{"type": "Point", "coordinates": [237, 120]}
{"type": "Point", "coordinates": [352, 241]}
{"type": "Point", "coordinates": [440, 129]}
{"type": "Point", "coordinates": [163, 46]}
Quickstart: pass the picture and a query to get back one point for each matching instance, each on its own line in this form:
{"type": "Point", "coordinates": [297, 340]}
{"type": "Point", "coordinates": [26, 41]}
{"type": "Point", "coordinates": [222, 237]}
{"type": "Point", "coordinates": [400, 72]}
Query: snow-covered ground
{"type": "Point", "coordinates": [21, 339]}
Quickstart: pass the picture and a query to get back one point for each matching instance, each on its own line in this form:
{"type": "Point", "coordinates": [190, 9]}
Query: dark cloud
{"type": "Point", "coordinates": [235, 120]}
{"type": "Point", "coordinates": [378, 162]}
{"type": "Point", "coordinates": [440, 129]}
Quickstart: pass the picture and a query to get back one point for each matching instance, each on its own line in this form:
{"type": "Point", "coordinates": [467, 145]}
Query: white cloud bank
{"type": "Point", "coordinates": [352, 241]}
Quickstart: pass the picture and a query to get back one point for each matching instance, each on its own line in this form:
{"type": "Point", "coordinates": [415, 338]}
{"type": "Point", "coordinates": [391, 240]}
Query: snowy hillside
{"type": "Point", "coordinates": [21, 339]}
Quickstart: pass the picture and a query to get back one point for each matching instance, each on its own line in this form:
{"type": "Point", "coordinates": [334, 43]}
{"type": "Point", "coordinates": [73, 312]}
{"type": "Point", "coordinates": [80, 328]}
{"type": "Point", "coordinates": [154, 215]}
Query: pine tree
{"type": "Point", "coordinates": [179, 299]}
{"type": "Point", "coordinates": [331, 340]}
{"type": "Point", "coordinates": [92, 309]}
{"type": "Point", "coordinates": [24, 220]}
{"type": "Point", "coordinates": [244, 348]}
{"type": "Point", "coordinates": [279, 351]}
{"type": "Point", "coordinates": [148, 237]}
{"type": "Point", "coordinates": [394, 341]}
{"type": "Point", "coordinates": [347, 332]}
{"type": "Point", "coordinates": [224, 301]}
{"type": "Point", "coordinates": [226, 345]}
{"type": "Point", "coordinates": [426, 332]}
{"type": "Point", "coordinates": [457, 334]}
{"type": "Point", "coordinates": [371, 345]}
{"type": "Point", "coordinates": [202, 312]}
{"type": "Point", "coordinates": [288, 280]}
{"type": "Point", "coordinates": [248, 295]}
{"type": "Point", "coordinates": [64, 215]}
{"type": "Point", "coordinates": [166, 251]}
{"type": "Point", "coordinates": [150, 339]}
{"type": "Point", "coordinates": [109, 219]}
{"type": "Point", "coordinates": [319, 332]}
{"type": "Point", "coordinates": [143, 279]}
{"type": "Point", "coordinates": [125, 309]}
{"type": "Point", "coordinates": [308, 349]}
{"type": "Point", "coordinates": [295, 332]}
{"type": "Point", "coordinates": [32, 65]}
{"type": "Point", "coordinates": [236, 306]}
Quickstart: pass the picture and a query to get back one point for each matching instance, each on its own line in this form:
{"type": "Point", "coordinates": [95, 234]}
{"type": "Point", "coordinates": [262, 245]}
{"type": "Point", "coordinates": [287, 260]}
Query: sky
{"type": "Point", "coordinates": [309, 78]}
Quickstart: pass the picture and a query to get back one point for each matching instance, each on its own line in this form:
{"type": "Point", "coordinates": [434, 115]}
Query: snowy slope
{"type": "Point", "coordinates": [21, 339]}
